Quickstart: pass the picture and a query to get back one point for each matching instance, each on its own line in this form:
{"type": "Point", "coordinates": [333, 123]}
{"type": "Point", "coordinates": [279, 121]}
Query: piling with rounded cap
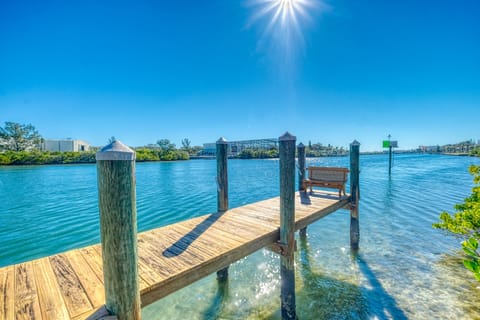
{"type": "Point", "coordinates": [118, 229]}
{"type": "Point", "coordinates": [287, 224]}
{"type": "Point", "coordinates": [115, 151]}
{"type": "Point", "coordinates": [354, 194]}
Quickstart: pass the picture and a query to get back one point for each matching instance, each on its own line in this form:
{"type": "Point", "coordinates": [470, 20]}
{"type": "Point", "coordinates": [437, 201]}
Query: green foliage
{"type": "Point", "coordinates": [466, 221]}
{"type": "Point", "coordinates": [148, 154]}
{"type": "Point", "coordinates": [258, 154]}
{"type": "Point", "coordinates": [319, 150]}
{"type": "Point", "coordinates": [18, 137]}
{"type": "Point", "coordinates": [45, 157]}
{"type": "Point", "coordinates": [186, 145]}
{"type": "Point", "coordinates": [166, 145]}
{"type": "Point", "coordinates": [475, 152]}
{"type": "Point", "coordinates": [195, 150]}
{"type": "Point", "coordinates": [470, 247]}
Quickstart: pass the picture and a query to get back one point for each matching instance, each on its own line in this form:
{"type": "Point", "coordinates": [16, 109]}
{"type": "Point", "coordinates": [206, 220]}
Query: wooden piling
{"type": "Point", "coordinates": [222, 175]}
{"type": "Point", "coordinates": [301, 176]}
{"type": "Point", "coordinates": [287, 220]}
{"type": "Point", "coordinates": [222, 189]}
{"type": "Point", "coordinates": [355, 194]}
{"type": "Point", "coordinates": [301, 165]}
{"type": "Point", "coordinates": [118, 229]}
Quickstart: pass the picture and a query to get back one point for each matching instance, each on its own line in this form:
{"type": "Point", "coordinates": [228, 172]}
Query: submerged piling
{"type": "Point", "coordinates": [287, 224]}
{"type": "Point", "coordinates": [222, 189]}
{"type": "Point", "coordinates": [355, 194]}
{"type": "Point", "coordinates": [118, 229]}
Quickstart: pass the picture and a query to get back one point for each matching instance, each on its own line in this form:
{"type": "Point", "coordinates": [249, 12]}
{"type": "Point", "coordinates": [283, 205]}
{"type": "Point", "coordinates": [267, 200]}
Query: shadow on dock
{"type": "Point", "coordinates": [306, 195]}
{"type": "Point", "coordinates": [184, 242]}
{"type": "Point", "coordinates": [304, 198]}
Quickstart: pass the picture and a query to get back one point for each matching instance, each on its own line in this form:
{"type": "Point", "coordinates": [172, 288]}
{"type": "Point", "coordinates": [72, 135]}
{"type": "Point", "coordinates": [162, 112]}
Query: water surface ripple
{"type": "Point", "coordinates": [404, 269]}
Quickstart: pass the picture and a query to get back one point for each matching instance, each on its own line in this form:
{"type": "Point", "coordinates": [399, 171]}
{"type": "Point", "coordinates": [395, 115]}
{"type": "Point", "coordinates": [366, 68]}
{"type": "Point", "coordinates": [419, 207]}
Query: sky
{"type": "Point", "coordinates": [327, 71]}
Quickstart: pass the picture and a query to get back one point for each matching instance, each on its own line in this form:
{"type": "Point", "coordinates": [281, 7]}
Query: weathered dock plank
{"type": "Point", "coordinates": [72, 290]}
{"type": "Point", "coordinates": [7, 302]}
{"type": "Point", "coordinates": [87, 277]}
{"type": "Point", "coordinates": [25, 294]}
{"type": "Point", "coordinates": [70, 285]}
{"type": "Point", "coordinates": [49, 291]}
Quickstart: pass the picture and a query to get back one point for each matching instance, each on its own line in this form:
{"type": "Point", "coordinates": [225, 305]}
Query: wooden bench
{"type": "Point", "coordinates": [326, 177]}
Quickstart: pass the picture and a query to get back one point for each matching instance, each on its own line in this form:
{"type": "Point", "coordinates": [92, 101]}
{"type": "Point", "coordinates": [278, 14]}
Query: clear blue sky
{"type": "Point", "coordinates": [146, 70]}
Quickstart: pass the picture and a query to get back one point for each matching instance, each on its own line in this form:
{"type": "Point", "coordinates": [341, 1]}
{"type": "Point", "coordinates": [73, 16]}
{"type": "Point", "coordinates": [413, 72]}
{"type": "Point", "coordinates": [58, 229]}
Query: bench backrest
{"type": "Point", "coordinates": [332, 174]}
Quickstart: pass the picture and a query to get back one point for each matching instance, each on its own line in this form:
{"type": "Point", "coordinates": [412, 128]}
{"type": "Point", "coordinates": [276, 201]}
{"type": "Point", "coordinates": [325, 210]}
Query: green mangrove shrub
{"type": "Point", "coordinates": [466, 222]}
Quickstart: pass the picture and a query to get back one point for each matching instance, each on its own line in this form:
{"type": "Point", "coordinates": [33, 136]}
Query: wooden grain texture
{"type": "Point", "coordinates": [355, 192]}
{"type": "Point", "coordinates": [301, 177]}
{"type": "Point", "coordinates": [48, 291]}
{"type": "Point", "coordinates": [93, 257]}
{"type": "Point", "coordinates": [222, 175]}
{"type": "Point", "coordinates": [118, 229]}
{"type": "Point", "coordinates": [87, 278]}
{"type": "Point", "coordinates": [7, 294]}
{"type": "Point", "coordinates": [301, 165]}
{"type": "Point", "coordinates": [70, 285]}
{"type": "Point", "coordinates": [73, 292]}
{"type": "Point", "coordinates": [287, 225]}
{"type": "Point", "coordinates": [222, 190]}
{"type": "Point", "coordinates": [26, 299]}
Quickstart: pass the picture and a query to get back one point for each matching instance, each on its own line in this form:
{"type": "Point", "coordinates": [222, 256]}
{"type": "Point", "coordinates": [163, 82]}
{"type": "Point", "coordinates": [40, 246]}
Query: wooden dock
{"type": "Point", "coordinates": [70, 285]}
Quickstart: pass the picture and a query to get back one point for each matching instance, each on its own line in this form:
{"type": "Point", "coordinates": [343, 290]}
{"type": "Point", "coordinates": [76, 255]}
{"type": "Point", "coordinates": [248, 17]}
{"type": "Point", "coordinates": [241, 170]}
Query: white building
{"type": "Point", "coordinates": [64, 145]}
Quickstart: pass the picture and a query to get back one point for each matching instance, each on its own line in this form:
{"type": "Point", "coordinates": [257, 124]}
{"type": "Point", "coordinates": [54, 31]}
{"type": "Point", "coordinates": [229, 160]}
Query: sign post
{"type": "Point", "coordinates": [390, 145]}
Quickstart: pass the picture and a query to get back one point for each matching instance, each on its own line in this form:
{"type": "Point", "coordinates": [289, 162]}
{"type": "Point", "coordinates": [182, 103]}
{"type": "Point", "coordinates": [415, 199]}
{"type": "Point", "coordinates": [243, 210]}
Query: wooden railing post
{"type": "Point", "coordinates": [118, 229]}
{"type": "Point", "coordinates": [287, 224]}
{"type": "Point", "coordinates": [301, 176]}
{"type": "Point", "coordinates": [222, 189]}
{"type": "Point", "coordinates": [355, 194]}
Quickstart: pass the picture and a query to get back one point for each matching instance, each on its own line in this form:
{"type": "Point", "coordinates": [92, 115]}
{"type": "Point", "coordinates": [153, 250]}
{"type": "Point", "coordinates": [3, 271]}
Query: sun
{"type": "Point", "coordinates": [282, 14]}
{"type": "Point", "coordinates": [281, 27]}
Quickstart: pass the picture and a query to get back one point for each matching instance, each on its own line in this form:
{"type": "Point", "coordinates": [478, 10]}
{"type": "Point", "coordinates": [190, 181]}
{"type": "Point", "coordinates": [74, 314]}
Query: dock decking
{"type": "Point", "coordinates": [69, 285]}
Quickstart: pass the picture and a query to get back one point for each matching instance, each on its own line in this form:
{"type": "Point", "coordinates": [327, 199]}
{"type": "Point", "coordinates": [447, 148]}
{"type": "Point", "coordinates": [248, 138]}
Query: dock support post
{"type": "Point", "coordinates": [287, 224]}
{"type": "Point", "coordinates": [222, 189]}
{"type": "Point", "coordinates": [355, 194]}
{"type": "Point", "coordinates": [118, 229]}
{"type": "Point", "coordinates": [301, 176]}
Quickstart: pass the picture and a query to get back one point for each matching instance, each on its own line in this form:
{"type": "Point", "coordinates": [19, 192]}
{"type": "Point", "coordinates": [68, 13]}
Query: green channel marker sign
{"type": "Point", "coordinates": [388, 144]}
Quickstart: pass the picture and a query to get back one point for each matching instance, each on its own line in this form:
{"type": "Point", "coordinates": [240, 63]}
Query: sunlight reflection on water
{"type": "Point", "coordinates": [405, 269]}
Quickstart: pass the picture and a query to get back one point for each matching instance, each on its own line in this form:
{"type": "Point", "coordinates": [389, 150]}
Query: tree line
{"type": "Point", "coordinates": [20, 145]}
{"type": "Point", "coordinates": [312, 150]}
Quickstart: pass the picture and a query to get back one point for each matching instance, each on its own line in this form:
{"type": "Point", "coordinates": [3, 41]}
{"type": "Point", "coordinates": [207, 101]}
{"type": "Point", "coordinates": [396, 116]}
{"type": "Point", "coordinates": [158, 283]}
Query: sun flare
{"type": "Point", "coordinates": [283, 14]}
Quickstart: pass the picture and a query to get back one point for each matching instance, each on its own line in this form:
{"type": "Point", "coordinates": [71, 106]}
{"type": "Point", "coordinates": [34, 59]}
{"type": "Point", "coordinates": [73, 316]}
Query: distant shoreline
{"type": "Point", "coordinates": [89, 158]}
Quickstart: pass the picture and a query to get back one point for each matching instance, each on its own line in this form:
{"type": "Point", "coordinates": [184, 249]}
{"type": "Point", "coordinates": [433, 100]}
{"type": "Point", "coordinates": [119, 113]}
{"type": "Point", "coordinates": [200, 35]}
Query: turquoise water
{"type": "Point", "coordinates": [404, 269]}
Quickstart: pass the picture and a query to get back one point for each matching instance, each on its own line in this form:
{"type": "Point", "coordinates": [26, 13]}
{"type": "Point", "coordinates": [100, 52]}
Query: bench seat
{"type": "Point", "coordinates": [326, 177]}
